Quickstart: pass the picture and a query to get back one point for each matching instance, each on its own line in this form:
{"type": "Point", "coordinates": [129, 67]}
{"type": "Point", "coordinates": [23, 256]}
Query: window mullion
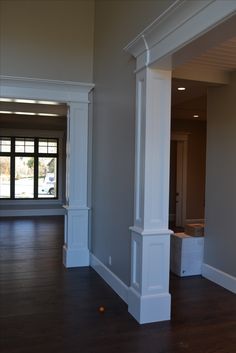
{"type": "Point", "coordinates": [12, 172]}
{"type": "Point", "coordinates": [36, 167]}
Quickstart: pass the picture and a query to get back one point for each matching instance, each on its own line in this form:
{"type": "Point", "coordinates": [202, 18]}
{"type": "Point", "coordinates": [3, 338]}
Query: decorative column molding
{"type": "Point", "coordinates": [180, 24]}
{"type": "Point", "coordinates": [75, 249]}
{"type": "Point", "coordinates": [149, 298]}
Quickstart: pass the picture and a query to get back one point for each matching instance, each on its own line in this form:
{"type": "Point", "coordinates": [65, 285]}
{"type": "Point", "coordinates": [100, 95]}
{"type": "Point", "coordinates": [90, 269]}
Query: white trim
{"type": "Point", "coordinates": [219, 277]}
{"type": "Point", "coordinates": [34, 88]}
{"type": "Point", "coordinates": [149, 298]}
{"type": "Point", "coordinates": [75, 95]}
{"type": "Point", "coordinates": [149, 308]}
{"type": "Point", "coordinates": [182, 23]}
{"type": "Point", "coordinates": [160, 231]}
{"type": "Point", "coordinates": [75, 257]}
{"type": "Point", "coordinates": [110, 278]}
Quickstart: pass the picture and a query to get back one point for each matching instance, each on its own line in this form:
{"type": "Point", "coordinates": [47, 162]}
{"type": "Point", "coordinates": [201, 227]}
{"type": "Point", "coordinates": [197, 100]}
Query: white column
{"type": "Point", "coordinates": [149, 298]}
{"type": "Point", "coordinates": [75, 249]}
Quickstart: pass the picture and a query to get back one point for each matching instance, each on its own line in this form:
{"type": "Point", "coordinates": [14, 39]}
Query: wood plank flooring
{"type": "Point", "coordinates": [45, 308]}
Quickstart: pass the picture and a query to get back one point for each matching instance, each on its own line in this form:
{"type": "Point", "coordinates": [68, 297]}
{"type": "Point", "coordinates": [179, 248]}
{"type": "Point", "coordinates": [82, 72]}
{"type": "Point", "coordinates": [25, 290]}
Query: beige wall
{"type": "Point", "coordinates": [220, 240]}
{"type": "Point", "coordinates": [47, 39]}
{"type": "Point", "coordinates": [116, 23]}
{"type": "Point", "coordinates": [195, 165]}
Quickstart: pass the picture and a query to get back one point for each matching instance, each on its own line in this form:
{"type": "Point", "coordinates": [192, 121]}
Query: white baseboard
{"type": "Point", "coordinates": [110, 278]}
{"type": "Point", "coordinates": [194, 220]}
{"type": "Point", "coordinates": [219, 277]}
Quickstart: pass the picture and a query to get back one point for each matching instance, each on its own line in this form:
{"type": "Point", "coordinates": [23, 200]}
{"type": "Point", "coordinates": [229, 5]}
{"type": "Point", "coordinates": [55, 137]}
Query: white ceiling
{"type": "Point", "coordinates": [221, 59]}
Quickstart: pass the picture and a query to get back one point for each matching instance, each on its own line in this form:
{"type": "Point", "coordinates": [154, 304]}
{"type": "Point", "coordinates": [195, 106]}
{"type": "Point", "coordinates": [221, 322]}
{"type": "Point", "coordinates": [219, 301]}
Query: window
{"type": "Point", "coordinates": [28, 168]}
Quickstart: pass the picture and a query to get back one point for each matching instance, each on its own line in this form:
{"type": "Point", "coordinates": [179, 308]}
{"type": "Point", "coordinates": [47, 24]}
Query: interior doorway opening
{"type": "Point", "coordinates": [188, 154]}
{"type": "Point", "coordinates": [33, 157]}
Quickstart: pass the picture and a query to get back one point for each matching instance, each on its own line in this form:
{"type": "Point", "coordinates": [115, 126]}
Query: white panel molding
{"type": "Point", "coordinates": [219, 277]}
{"type": "Point", "coordinates": [176, 27]}
{"type": "Point", "coordinates": [34, 88]}
{"type": "Point", "coordinates": [75, 249]}
{"type": "Point", "coordinates": [77, 155]}
{"type": "Point", "coordinates": [149, 298]}
{"type": "Point", "coordinates": [110, 278]}
{"type": "Point", "coordinates": [152, 150]}
{"type": "Point", "coordinates": [159, 46]}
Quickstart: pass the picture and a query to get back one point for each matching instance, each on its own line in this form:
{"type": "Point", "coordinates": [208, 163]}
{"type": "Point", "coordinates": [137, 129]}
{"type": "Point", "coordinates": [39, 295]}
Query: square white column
{"type": "Point", "coordinates": [149, 298]}
{"type": "Point", "coordinates": [75, 249]}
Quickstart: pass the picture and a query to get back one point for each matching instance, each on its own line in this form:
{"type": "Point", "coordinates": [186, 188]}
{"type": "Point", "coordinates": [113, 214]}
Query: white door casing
{"type": "Point", "coordinates": [75, 95]}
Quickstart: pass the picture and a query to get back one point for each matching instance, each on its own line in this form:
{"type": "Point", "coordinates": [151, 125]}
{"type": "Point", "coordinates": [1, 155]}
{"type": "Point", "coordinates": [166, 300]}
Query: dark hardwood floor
{"type": "Point", "coordinates": [45, 308]}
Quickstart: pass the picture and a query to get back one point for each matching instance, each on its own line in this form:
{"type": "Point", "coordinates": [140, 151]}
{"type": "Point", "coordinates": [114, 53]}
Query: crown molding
{"type": "Point", "coordinates": [34, 88]}
{"type": "Point", "coordinates": [183, 22]}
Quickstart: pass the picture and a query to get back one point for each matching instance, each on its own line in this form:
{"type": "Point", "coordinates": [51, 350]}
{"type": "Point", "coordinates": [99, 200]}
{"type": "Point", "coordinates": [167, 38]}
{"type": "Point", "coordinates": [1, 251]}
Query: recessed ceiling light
{"type": "Point", "coordinates": [32, 101]}
{"type": "Point", "coordinates": [196, 116]}
{"type": "Point", "coordinates": [47, 114]}
{"type": "Point", "coordinates": [5, 112]}
{"type": "Point", "coordinates": [48, 102]}
{"type": "Point", "coordinates": [24, 113]}
{"type": "Point", "coordinates": [181, 88]}
{"type": "Point", "coordinates": [5, 100]}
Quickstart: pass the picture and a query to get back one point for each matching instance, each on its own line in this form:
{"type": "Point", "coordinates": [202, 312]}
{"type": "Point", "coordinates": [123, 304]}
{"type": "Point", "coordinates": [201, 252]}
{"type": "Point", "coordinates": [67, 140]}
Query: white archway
{"type": "Point", "coordinates": [157, 50]}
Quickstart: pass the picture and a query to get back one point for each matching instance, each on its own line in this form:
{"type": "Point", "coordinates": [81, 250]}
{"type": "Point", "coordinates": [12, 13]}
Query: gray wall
{"type": "Point", "coordinates": [220, 240]}
{"type": "Point", "coordinates": [196, 166]}
{"type": "Point", "coordinates": [47, 39]}
{"type": "Point", "coordinates": [116, 23]}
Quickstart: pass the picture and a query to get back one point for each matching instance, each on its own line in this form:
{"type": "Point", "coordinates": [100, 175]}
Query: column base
{"type": "Point", "coordinates": [75, 257]}
{"type": "Point", "coordinates": [149, 308]}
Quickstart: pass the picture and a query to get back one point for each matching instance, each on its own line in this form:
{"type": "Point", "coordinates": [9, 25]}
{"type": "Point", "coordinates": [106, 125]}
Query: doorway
{"type": "Point", "coordinates": [76, 208]}
{"type": "Point", "coordinates": [178, 179]}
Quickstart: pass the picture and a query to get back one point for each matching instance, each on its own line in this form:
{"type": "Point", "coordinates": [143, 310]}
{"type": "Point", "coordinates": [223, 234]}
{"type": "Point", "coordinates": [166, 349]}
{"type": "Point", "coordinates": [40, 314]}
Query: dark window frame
{"type": "Point", "coordinates": [36, 155]}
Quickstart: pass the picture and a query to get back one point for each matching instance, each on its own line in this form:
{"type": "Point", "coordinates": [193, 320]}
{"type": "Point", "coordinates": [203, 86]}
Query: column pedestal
{"type": "Point", "coordinates": [75, 250]}
{"type": "Point", "coordinates": [149, 298]}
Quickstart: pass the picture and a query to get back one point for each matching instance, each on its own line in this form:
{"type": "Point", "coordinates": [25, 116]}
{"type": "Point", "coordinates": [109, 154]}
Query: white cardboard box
{"type": "Point", "coordinates": [186, 254]}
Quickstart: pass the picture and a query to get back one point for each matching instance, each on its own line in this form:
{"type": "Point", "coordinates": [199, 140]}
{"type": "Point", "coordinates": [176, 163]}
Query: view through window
{"type": "Point", "coordinates": [28, 168]}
